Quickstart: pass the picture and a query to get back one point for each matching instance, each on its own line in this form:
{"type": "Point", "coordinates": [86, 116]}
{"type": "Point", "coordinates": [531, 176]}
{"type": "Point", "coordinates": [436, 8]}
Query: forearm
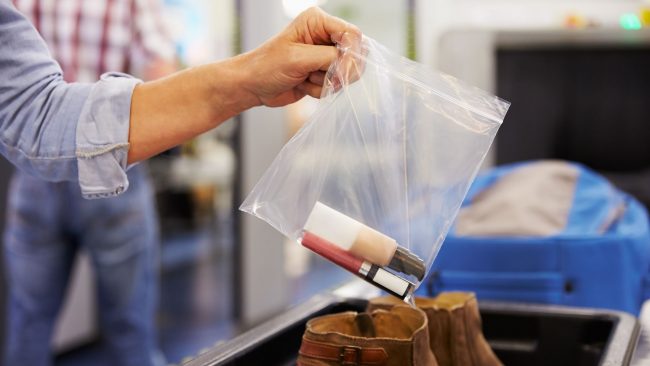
{"type": "Point", "coordinates": [168, 111]}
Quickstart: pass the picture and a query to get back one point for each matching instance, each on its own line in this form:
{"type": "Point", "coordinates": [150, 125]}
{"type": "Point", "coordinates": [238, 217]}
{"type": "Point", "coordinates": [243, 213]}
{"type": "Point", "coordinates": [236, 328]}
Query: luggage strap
{"type": "Point", "coordinates": [345, 355]}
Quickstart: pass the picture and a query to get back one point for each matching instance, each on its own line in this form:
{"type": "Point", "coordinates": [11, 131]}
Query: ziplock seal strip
{"type": "Point", "coordinates": [431, 90]}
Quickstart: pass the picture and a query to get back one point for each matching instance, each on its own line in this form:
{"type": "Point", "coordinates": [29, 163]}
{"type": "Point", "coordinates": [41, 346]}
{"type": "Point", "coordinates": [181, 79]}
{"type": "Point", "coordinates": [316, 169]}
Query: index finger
{"type": "Point", "coordinates": [324, 29]}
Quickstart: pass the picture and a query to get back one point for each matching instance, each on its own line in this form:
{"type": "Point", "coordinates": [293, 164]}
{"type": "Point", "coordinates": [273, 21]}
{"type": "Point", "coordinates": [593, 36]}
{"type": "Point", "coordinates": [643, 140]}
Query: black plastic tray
{"type": "Point", "coordinates": [520, 334]}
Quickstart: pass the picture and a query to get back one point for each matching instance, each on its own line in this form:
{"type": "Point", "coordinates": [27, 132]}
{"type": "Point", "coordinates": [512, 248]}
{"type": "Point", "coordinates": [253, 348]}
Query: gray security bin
{"type": "Point", "coordinates": [520, 334]}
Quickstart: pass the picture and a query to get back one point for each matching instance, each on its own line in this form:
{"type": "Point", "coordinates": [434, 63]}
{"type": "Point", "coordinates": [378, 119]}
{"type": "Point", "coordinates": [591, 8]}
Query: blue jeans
{"type": "Point", "coordinates": [48, 223]}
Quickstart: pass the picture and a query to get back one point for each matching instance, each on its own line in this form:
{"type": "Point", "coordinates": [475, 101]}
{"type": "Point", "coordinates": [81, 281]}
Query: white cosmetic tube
{"type": "Point", "coordinates": [351, 235]}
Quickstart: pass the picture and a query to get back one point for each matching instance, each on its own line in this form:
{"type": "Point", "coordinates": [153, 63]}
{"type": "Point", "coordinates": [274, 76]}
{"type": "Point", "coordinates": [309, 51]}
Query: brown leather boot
{"type": "Point", "coordinates": [393, 337]}
{"type": "Point", "coordinates": [455, 333]}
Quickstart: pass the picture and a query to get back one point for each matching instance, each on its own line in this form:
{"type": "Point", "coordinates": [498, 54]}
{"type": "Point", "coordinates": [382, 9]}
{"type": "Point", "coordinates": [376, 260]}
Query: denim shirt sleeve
{"type": "Point", "coordinates": [56, 130]}
{"type": "Point", "coordinates": [102, 141]}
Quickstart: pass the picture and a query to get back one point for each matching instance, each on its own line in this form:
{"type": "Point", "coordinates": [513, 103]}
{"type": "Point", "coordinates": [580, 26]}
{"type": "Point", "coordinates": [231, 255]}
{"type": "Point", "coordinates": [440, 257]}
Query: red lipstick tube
{"type": "Point", "coordinates": [370, 272]}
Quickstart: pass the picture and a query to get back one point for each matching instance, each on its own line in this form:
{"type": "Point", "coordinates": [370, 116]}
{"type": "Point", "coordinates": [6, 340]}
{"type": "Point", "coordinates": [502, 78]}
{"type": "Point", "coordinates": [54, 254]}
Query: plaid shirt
{"type": "Point", "coordinates": [90, 37]}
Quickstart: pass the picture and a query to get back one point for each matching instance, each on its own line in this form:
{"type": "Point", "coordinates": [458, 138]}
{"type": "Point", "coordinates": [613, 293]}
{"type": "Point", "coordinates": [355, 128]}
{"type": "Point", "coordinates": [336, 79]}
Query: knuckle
{"type": "Point", "coordinates": [311, 12]}
{"type": "Point", "coordinates": [314, 10]}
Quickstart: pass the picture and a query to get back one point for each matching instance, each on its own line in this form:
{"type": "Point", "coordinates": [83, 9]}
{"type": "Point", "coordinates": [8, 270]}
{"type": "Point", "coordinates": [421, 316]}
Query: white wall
{"type": "Point", "coordinates": [435, 17]}
{"type": "Point", "coordinates": [264, 285]}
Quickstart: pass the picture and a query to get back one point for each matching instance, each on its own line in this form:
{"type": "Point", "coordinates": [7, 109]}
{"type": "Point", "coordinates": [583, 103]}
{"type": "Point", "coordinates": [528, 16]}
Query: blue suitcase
{"type": "Point", "coordinates": [575, 267]}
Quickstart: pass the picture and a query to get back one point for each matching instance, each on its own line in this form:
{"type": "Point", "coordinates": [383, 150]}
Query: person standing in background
{"type": "Point", "coordinates": [48, 223]}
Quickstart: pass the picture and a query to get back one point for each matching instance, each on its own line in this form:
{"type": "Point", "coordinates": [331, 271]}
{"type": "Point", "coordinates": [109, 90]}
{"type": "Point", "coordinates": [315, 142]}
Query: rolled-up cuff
{"type": "Point", "coordinates": [103, 136]}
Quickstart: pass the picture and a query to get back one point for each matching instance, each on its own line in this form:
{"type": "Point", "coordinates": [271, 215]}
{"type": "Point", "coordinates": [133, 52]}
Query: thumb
{"type": "Point", "coordinates": [310, 58]}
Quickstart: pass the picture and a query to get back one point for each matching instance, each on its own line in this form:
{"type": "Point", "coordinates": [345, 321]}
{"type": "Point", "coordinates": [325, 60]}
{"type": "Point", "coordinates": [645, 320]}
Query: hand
{"type": "Point", "coordinates": [293, 64]}
{"type": "Point", "coordinates": [173, 109]}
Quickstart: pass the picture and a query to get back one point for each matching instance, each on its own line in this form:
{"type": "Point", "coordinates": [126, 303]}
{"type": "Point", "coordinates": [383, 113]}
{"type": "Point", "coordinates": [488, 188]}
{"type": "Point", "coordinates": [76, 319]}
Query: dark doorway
{"type": "Point", "coordinates": [590, 105]}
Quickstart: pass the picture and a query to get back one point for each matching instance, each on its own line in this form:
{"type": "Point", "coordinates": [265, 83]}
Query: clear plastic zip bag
{"type": "Point", "coordinates": [375, 178]}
